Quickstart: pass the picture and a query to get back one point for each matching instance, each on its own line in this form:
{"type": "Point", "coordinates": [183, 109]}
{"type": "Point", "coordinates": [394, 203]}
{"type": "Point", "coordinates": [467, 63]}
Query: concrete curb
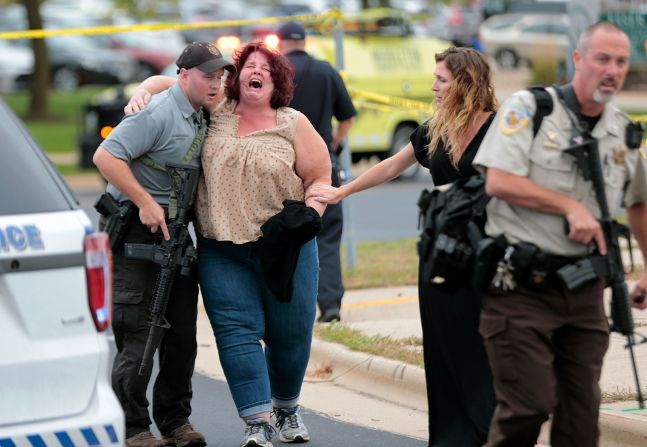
{"type": "Point", "coordinates": [404, 384]}
{"type": "Point", "coordinates": [385, 379]}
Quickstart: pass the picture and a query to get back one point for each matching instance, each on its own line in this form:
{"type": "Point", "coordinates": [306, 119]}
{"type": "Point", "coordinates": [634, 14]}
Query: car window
{"type": "Point", "coordinates": [71, 43]}
{"type": "Point", "coordinates": [558, 29]}
{"type": "Point", "coordinates": [26, 183]}
{"type": "Point", "coordinates": [501, 25]}
{"type": "Point", "coordinates": [540, 28]}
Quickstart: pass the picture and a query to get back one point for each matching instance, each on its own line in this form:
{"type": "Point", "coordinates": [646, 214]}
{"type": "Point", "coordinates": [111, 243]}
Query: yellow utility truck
{"type": "Point", "coordinates": [389, 72]}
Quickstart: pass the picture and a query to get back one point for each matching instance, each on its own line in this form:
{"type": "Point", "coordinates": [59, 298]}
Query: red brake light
{"type": "Point", "coordinates": [98, 271]}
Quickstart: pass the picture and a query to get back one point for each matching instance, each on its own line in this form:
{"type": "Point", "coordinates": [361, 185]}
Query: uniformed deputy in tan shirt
{"type": "Point", "coordinates": [545, 342]}
{"type": "Point", "coordinates": [509, 146]}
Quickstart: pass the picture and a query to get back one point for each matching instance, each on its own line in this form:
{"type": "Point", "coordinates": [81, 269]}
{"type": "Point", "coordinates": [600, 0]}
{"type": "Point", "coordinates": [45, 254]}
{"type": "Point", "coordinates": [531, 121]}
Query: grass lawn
{"type": "Point", "coordinates": [382, 263]}
{"type": "Point", "coordinates": [405, 350]}
{"type": "Point", "coordinates": [59, 134]}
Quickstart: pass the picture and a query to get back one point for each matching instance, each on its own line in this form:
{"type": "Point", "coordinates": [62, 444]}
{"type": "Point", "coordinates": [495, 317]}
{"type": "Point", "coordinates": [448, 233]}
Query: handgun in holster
{"type": "Point", "coordinates": [489, 252]}
{"type": "Point", "coordinates": [531, 266]}
{"type": "Point", "coordinates": [117, 216]}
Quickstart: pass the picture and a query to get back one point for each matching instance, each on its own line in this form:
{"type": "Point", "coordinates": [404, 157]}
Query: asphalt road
{"type": "Point", "coordinates": [214, 415]}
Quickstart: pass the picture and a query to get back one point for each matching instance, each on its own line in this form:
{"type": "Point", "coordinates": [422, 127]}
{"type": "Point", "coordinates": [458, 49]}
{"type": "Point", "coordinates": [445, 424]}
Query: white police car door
{"type": "Point", "coordinates": [54, 304]}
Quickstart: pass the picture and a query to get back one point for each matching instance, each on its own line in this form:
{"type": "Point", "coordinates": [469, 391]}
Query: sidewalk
{"type": "Point", "coordinates": [394, 312]}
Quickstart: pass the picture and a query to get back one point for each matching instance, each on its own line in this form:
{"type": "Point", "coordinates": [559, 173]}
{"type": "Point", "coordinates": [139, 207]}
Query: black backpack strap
{"type": "Point", "coordinates": [567, 96]}
{"type": "Point", "coordinates": [544, 107]}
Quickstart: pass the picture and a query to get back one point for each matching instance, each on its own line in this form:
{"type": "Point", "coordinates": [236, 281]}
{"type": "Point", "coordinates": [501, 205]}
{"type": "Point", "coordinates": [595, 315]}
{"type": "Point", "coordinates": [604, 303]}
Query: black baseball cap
{"type": "Point", "coordinates": [291, 31]}
{"type": "Point", "coordinates": [204, 56]}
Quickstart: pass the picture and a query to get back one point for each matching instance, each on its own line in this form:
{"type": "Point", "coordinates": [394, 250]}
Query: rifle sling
{"type": "Point", "coordinates": [196, 144]}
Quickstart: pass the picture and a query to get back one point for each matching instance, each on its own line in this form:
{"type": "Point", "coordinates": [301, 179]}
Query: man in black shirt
{"type": "Point", "coordinates": [320, 94]}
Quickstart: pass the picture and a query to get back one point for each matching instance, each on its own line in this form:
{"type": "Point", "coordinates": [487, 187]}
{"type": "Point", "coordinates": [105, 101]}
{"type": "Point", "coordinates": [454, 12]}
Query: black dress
{"type": "Point", "coordinates": [460, 392]}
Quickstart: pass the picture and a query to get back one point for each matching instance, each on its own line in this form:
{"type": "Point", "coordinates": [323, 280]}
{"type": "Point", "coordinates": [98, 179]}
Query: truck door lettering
{"type": "Point", "coordinates": [392, 59]}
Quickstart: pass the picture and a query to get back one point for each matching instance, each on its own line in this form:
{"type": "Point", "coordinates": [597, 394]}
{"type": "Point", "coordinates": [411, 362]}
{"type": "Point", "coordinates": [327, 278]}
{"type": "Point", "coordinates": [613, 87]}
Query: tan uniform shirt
{"type": "Point", "coordinates": [246, 178]}
{"type": "Point", "coordinates": [509, 146]}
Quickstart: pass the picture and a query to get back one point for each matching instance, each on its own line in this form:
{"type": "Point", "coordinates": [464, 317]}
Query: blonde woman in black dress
{"type": "Point", "coordinates": [460, 393]}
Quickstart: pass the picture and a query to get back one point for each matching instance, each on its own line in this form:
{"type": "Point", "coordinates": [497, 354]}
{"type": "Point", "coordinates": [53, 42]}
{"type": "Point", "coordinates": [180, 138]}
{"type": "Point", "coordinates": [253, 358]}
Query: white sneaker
{"type": "Point", "coordinates": [290, 426]}
{"type": "Point", "coordinates": [258, 434]}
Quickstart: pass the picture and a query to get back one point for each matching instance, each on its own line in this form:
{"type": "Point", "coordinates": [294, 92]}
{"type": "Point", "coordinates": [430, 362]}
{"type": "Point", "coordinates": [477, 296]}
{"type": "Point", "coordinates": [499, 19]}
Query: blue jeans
{"type": "Point", "coordinates": [243, 311]}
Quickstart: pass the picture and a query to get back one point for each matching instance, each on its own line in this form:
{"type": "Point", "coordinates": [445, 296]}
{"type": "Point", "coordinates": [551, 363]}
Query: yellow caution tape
{"type": "Point", "coordinates": [327, 18]}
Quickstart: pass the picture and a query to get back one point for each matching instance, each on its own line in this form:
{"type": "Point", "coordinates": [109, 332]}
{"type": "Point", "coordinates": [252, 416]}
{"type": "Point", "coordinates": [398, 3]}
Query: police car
{"type": "Point", "coordinates": [55, 305]}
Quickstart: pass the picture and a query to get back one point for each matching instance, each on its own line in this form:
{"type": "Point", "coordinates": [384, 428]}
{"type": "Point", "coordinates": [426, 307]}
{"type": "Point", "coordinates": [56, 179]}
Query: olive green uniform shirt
{"type": "Point", "coordinates": [509, 146]}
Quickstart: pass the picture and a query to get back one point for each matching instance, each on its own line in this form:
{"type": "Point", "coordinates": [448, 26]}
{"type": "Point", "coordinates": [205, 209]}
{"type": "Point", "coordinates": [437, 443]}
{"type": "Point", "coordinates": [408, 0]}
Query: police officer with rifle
{"type": "Point", "coordinates": [146, 208]}
{"type": "Point", "coordinates": [175, 253]}
{"type": "Point", "coordinates": [543, 318]}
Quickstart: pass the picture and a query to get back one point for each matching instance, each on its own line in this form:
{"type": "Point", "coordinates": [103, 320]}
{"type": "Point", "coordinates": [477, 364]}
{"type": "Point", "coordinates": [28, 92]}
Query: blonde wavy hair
{"type": "Point", "coordinates": [470, 93]}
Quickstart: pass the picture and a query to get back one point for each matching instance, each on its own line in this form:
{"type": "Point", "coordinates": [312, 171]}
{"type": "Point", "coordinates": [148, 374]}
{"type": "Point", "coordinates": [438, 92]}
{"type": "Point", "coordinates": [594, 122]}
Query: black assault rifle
{"type": "Point", "coordinates": [176, 253]}
{"type": "Point", "coordinates": [587, 157]}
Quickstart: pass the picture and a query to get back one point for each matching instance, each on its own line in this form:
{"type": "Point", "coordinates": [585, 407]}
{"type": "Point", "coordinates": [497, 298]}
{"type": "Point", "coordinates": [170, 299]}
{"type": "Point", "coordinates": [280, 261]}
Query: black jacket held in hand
{"type": "Point", "coordinates": [283, 236]}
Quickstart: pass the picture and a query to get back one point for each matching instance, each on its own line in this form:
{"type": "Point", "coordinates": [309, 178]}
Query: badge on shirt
{"type": "Point", "coordinates": [515, 117]}
{"type": "Point", "coordinates": [619, 155]}
{"type": "Point", "coordinates": [551, 143]}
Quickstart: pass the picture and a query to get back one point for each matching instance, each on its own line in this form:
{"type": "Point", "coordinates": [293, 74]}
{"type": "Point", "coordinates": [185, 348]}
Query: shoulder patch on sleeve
{"type": "Point", "coordinates": [515, 116]}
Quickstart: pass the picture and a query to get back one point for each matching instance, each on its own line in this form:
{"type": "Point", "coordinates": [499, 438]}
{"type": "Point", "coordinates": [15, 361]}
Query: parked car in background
{"type": "Point", "coordinates": [16, 66]}
{"type": "Point", "coordinates": [152, 51]}
{"type": "Point", "coordinates": [457, 24]}
{"type": "Point", "coordinates": [493, 7]}
{"type": "Point", "coordinates": [76, 60]}
{"type": "Point", "coordinates": [55, 307]}
{"type": "Point", "coordinates": [511, 39]}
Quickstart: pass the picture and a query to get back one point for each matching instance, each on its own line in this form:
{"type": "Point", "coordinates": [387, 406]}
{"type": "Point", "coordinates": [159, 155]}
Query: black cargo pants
{"type": "Point", "coordinates": [545, 349]}
{"type": "Point", "coordinates": [134, 282]}
{"type": "Point", "coordinates": [331, 284]}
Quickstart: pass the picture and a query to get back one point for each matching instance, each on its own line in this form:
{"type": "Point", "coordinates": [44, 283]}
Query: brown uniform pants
{"type": "Point", "coordinates": [545, 349]}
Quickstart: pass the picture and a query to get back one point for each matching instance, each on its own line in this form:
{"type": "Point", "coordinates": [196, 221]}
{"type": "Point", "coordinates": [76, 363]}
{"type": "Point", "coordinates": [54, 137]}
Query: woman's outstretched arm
{"type": "Point", "coordinates": [382, 172]}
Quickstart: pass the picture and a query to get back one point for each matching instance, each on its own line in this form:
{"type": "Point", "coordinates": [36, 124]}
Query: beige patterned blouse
{"type": "Point", "coordinates": [245, 178]}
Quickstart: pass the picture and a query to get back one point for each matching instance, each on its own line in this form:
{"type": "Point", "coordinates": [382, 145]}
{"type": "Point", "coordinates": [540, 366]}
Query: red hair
{"type": "Point", "coordinates": [282, 74]}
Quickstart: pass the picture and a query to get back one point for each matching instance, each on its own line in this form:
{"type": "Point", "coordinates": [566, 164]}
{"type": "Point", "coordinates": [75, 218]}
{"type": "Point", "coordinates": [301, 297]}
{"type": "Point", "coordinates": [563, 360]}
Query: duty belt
{"type": "Point", "coordinates": [535, 268]}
